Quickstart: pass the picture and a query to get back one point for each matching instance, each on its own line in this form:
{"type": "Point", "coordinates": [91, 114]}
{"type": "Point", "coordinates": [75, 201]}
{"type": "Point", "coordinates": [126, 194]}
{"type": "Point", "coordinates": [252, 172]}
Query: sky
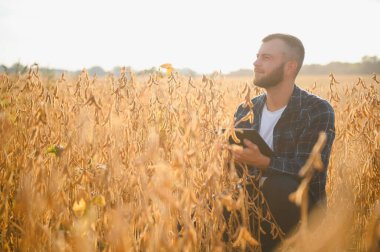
{"type": "Point", "coordinates": [204, 35]}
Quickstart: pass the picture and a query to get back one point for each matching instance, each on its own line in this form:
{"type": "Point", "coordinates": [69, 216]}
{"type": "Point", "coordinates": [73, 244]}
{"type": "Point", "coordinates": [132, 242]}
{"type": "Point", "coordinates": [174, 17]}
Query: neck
{"type": "Point", "coordinates": [278, 96]}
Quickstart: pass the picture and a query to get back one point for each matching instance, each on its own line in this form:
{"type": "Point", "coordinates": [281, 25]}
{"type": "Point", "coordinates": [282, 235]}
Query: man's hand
{"type": "Point", "coordinates": [251, 155]}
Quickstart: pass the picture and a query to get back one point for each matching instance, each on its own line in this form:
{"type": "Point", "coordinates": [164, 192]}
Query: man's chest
{"type": "Point", "coordinates": [288, 129]}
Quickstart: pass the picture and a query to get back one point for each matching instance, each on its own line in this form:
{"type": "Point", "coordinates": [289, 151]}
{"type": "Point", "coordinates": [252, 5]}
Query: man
{"type": "Point", "coordinates": [289, 119]}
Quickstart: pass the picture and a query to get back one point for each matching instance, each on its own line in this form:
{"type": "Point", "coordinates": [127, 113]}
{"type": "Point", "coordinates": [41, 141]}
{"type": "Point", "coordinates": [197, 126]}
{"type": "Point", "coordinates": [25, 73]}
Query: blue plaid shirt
{"type": "Point", "coordinates": [295, 134]}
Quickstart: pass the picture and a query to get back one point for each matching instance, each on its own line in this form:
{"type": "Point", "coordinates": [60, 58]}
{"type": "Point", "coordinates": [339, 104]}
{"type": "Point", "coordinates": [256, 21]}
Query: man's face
{"type": "Point", "coordinates": [269, 65]}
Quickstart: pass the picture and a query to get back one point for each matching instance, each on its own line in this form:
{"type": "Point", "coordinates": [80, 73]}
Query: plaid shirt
{"type": "Point", "coordinates": [295, 134]}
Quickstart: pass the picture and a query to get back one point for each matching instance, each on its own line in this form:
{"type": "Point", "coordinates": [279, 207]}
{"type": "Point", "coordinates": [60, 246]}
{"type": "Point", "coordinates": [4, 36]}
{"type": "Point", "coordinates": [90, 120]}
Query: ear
{"type": "Point", "coordinates": [291, 67]}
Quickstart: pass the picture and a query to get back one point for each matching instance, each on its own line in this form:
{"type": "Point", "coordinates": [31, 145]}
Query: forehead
{"type": "Point", "coordinates": [275, 47]}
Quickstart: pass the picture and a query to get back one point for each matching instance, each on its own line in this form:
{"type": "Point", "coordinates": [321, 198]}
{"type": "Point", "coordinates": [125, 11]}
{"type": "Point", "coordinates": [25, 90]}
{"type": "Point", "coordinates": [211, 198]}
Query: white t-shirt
{"type": "Point", "coordinates": [268, 121]}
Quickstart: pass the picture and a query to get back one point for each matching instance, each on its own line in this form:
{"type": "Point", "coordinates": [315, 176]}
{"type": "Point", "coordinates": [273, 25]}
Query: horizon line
{"type": "Point", "coordinates": [373, 57]}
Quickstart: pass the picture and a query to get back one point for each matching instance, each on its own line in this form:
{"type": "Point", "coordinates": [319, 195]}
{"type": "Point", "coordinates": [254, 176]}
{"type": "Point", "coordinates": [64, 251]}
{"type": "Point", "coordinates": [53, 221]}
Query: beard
{"type": "Point", "coordinates": [272, 79]}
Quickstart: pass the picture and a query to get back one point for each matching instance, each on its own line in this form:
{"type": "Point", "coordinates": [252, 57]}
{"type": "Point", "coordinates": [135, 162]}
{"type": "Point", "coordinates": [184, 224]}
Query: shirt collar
{"type": "Point", "coordinates": [295, 99]}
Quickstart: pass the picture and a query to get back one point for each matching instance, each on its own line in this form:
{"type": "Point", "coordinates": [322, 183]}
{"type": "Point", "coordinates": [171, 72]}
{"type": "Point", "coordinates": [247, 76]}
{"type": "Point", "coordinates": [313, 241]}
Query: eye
{"type": "Point", "coordinates": [266, 57]}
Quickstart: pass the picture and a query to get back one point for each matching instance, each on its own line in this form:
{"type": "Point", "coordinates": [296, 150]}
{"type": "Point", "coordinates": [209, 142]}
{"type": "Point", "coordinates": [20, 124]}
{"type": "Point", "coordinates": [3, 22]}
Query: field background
{"type": "Point", "coordinates": [120, 163]}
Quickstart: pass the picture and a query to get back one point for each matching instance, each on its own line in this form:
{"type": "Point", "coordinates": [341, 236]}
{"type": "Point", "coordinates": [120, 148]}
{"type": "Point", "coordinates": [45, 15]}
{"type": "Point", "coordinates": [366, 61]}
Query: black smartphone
{"type": "Point", "coordinates": [253, 136]}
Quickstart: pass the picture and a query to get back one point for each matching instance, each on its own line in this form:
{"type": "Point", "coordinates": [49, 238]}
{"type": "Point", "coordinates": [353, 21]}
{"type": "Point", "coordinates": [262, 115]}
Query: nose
{"type": "Point", "coordinates": [256, 62]}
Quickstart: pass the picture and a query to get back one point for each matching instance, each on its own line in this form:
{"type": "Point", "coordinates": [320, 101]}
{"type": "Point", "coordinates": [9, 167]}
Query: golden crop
{"type": "Point", "coordinates": [127, 163]}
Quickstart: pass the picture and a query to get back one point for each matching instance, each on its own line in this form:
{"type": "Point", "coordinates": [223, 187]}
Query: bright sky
{"type": "Point", "coordinates": [204, 35]}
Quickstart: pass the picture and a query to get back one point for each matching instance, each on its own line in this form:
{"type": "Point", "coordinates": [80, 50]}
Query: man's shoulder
{"type": "Point", "coordinates": [313, 102]}
{"type": "Point", "coordinates": [258, 99]}
{"type": "Point", "coordinates": [243, 109]}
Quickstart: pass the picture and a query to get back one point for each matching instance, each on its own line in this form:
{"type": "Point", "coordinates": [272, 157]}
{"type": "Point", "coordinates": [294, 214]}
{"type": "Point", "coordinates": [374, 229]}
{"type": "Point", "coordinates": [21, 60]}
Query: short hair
{"type": "Point", "coordinates": [295, 45]}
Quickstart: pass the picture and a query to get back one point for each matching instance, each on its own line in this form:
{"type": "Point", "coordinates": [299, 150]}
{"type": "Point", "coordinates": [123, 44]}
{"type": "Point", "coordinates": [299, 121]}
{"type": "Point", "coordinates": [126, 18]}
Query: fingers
{"type": "Point", "coordinates": [237, 152]}
{"type": "Point", "coordinates": [246, 155]}
{"type": "Point", "coordinates": [243, 154]}
{"type": "Point", "coordinates": [238, 157]}
{"type": "Point", "coordinates": [250, 145]}
{"type": "Point", "coordinates": [243, 157]}
{"type": "Point", "coordinates": [250, 155]}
